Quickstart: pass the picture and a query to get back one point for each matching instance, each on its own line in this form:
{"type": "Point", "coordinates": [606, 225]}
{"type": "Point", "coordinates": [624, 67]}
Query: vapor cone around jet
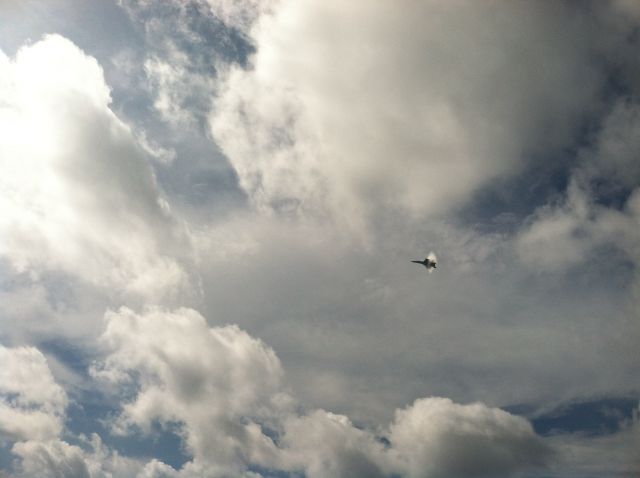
{"type": "Point", "coordinates": [430, 262]}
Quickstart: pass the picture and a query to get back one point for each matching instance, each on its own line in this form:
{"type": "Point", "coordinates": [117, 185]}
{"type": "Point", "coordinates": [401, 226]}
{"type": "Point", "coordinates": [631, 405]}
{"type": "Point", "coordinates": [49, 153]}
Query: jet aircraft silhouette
{"type": "Point", "coordinates": [430, 262]}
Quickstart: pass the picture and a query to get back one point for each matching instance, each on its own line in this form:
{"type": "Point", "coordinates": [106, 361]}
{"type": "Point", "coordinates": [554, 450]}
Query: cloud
{"type": "Point", "coordinates": [225, 391]}
{"type": "Point", "coordinates": [174, 87]}
{"type": "Point", "coordinates": [615, 152]}
{"type": "Point", "coordinates": [57, 458]}
{"type": "Point", "coordinates": [219, 383]}
{"type": "Point", "coordinates": [182, 56]}
{"type": "Point", "coordinates": [240, 14]}
{"type": "Point", "coordinates": [374, 118]}
{"type": "Point", "coordinates": [323, 444]}
{"type": "Point", "coordinates": [157, 469]}
{"type": "Point", "coordinates": [32, 404]}
{"type": "Point", "coordinates": [347, 111]}
{"type": "Point", "coordinates": [32, 421]}
{"type": "Point", "coordinates": [436, 437]}
{"type": "Point", "coordinates": [301, 282]}
{"type": "Point", "coordinates": [558, 236]}
{"type": "Point", "coordinates": [236, 14]}
{"type": "Point", "coordinates": [361, 333]}
{"type": "Point", "coordinates": [79, 195]}
{"type": "Point", "coordinates": [601, 204]}
{"type": "Point", "coordinates": [608, 454]}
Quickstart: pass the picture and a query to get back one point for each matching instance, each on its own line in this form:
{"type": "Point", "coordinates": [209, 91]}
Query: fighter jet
{"type": "Point", "coordinates": [430, 262]}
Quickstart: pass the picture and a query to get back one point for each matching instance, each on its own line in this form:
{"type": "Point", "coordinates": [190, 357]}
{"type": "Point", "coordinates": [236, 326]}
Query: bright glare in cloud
{"type": "Point", "coordinates": [78, 192]}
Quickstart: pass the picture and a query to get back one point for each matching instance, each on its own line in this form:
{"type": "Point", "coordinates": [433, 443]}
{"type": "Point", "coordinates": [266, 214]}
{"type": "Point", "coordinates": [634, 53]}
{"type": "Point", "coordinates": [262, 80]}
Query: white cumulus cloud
{"type": "Point", "coordinates": [220, 383]}
{"type": "Point", "coordinates": [436, 437]}
{"type": "Point", "coordinates": [225, 390]}
{"type": "Point", "coordinates": [32, 422]}
{"type": "Point", "coordinates": [78, 193]}
{"type": "Point", "coordinates": [32, 404]}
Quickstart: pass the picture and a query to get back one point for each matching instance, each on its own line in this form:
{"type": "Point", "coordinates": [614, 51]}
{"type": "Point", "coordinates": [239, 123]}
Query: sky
{"type": "Point", "coordinates": [209, 209]}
